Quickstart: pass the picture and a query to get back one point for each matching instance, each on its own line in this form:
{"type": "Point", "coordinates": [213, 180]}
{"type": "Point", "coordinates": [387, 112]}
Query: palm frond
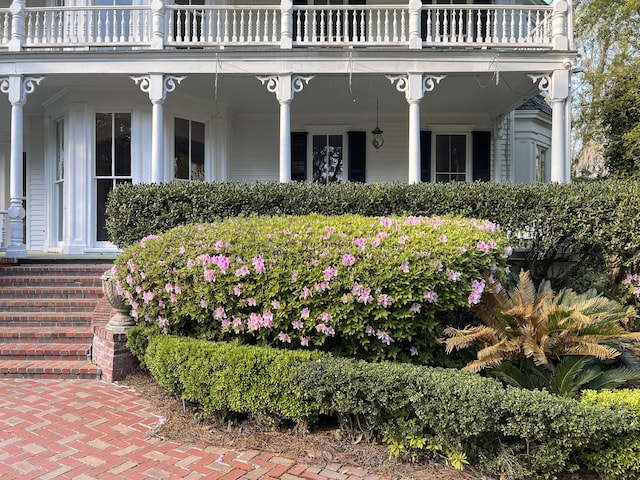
{"type": "Point", "coordinates": [572, 374]}
{"type": "Point", "coordinates": [613, 378]}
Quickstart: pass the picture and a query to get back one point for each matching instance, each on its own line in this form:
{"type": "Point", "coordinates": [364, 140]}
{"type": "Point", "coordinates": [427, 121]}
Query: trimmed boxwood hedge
{"type": "Point", "coordinates": [469, 416]}
{"type": "Point", "coordinates": [598, 222]}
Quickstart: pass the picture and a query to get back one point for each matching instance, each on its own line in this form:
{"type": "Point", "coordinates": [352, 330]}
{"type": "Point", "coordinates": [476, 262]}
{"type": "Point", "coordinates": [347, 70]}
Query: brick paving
{"type": "Point", "coordinates": [89, 429]}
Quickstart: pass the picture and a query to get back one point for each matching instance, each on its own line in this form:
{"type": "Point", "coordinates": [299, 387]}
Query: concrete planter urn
{"type": "Point", "coordinates": [121, 318]}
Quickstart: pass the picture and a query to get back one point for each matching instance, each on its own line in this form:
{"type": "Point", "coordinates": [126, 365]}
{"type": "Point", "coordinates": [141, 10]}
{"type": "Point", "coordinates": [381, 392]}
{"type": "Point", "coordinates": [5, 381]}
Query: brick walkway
{"type": "Point", "coordinates": [88, 429]}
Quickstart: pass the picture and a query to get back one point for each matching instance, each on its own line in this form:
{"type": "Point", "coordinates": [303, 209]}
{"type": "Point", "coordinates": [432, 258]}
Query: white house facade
{"type": "Point", "coordinates": [94, 93]}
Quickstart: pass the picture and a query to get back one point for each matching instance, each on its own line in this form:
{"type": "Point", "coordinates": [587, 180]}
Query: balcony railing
{"type": "Point", "coordinates": [160, 26]}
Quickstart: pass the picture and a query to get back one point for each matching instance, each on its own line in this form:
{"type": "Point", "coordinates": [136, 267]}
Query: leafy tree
{"type": "Point", "coordinates": [607, 32]}
{"type": "Point", "coordinates": [620, 114]}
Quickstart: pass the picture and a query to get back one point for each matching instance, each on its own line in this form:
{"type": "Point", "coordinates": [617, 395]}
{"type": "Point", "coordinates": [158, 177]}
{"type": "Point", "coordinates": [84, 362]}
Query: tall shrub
{"type": "Point", "coordinates": [366, 287]}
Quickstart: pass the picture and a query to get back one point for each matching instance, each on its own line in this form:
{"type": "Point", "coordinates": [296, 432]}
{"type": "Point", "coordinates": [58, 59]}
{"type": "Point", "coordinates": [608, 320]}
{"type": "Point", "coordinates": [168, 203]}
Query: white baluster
{"type": "Point", "coordinates": [209, 22]}
{"type": "Point", "coordinates": [274, 29]}
{"type": "Point", "coordinates": [242, 35]}
{"type": "Point", "coordinates": [226, 27]}
{"type": "Point", "coordinates": [322, 26]}
{"type": "Point", "coordinates": [29, 39]}
{"type": "Point", "coordinates": [195, 33]}
{"type": "Point", "coordinates": [479, 36]}
{"type": "Point", "coordinates": [453, 25]}
{"type": "Point", "coordinates": [470, 25]}
{"type": "Point", "coordinates": [512, 38]}
{"type": "Point", "coordinates": [314, 25]}
{"type": "Point", "coordinates": [234, 27]}
{"type": "Point", "coordinates": [395, 37]}
{"type": "Point", "coordinates": [218, 24]}
{"type": "Point", "coordinates": [370, 14]}
{"type": "Point", "coordinates": [496, 23]}
{"type": "Point", "coordinates": [386, 36]}
{"type": "Point", "coordinates": [461, 24]}
{"type": "Point", "coordinates": [378, 26]}
{"type": "Point", "coordinates": [107, 27]}
{"type": "Point", "coordinates": [504, 27]}
{"type": "Point", "coordinates": [123, 27]}
{"type": "Point", "coordinates": [250, 26]}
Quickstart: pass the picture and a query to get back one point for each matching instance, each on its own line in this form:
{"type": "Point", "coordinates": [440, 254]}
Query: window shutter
{"type": "Point", "coordinates": [357, 156]}
{"type": "Point", "coordinates": [482, 156]}
{"type": "Point", "coordinates": [425, 155]}
{"type": "Point", "coordinates": [299, 156]}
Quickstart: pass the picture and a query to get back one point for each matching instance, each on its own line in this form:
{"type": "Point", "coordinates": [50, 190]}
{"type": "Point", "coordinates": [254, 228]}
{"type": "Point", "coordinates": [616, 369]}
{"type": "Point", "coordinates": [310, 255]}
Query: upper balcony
{"type": "Point", "coordinates": [161, 25]}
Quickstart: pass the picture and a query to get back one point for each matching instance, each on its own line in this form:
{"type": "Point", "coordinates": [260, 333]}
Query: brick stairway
{"type": "Point", "coordinates": [45, 319]}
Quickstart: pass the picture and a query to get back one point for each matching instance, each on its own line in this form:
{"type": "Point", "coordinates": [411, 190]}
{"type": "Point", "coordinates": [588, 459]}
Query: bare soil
{"type": "Point", "coordinates": [184, 424]}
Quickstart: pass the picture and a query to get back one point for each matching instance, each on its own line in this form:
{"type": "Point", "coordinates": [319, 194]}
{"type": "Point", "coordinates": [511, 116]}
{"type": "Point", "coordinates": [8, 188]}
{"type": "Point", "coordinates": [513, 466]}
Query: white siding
{"type": "Point", "coordinates": [35, 192]}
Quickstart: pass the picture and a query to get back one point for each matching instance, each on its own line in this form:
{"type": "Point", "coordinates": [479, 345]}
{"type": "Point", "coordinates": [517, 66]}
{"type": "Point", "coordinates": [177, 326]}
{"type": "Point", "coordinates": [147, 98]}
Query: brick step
{"type": "Point", "coordinates": [92, 281]}
{"type": "Point", "coordinates": [48, 304]}
{"type": "Point", "coordinates": [58, 292]}
{"type": "Point", "coordinates": [45, 351]}
{"type": "Point", "coordinates": [59, 269]}
{"type": "Point", "coordinates": [80, 335]}
{"type": "Point", "coordinates": [45, 319]}
{"type": "Point", "coordinates": [49, 369]}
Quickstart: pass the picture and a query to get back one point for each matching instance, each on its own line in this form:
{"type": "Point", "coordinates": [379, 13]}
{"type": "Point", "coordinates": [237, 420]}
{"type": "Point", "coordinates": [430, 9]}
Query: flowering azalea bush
{"type": "Point", "coordinates": [359, 286]}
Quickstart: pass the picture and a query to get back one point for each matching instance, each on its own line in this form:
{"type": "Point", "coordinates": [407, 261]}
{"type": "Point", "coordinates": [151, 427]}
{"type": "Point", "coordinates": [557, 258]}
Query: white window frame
{"type": "Point", "coordinates": [452, 130]}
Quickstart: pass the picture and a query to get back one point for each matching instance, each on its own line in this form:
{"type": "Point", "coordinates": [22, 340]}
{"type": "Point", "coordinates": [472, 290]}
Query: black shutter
{"type": "Point", "coordinates": [482, 156]}
{"type": "Point", "coordinates": [299, 156]}
{"type": "Point", "coordinates": [357, 156]}
{"type": "Point", "coordinates": [425, 155]}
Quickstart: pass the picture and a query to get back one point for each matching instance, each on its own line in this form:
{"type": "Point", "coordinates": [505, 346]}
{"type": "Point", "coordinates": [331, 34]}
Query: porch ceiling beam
{"type": "Point", "coordinates": [245, 63]}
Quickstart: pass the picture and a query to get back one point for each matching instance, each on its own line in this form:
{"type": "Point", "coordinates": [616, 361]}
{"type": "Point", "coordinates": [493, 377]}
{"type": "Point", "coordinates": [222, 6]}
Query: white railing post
{"type": "Point", "coordinates": [286, 28]}
{"type": "Point", "coordinates": [415, 34]}
{"type": "Point", "coordinates": [17, 10]}
{"type": "Point", "coordinates": [559, 25]}
{"type": "Point", "coordinates": [157, 25]}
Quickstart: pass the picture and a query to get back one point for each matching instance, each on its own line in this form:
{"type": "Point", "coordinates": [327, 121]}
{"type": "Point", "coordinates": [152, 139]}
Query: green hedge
{"type": "Point", "coordinates": [226, 378]}
{"type": "Point", "coordinates": [619, 457]}
{"type": "Point", "coordinates": [598, 221]}
{"type": "Point", "coordinates": [467, 415]}
{"type": "Point", "coordinates": [373, 288]}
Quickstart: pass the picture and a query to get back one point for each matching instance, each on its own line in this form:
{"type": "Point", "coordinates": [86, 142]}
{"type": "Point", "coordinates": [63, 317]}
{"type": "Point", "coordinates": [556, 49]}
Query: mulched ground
{"type": "Point", "coordinates": [183, 424]}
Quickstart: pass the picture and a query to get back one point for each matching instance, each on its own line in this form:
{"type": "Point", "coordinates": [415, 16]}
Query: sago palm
{"type": "Point", "coordinates": [538, 325]}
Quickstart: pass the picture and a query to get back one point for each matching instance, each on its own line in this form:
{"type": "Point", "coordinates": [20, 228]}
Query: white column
{"type": "Point", "coordinates": [17, 87]}
{"type": "Point", "coordinates": [285, 86]}
{"type": "Point", "coordinates": [414, 85]}
{"type": "Point", "coordinates": [157, 85]}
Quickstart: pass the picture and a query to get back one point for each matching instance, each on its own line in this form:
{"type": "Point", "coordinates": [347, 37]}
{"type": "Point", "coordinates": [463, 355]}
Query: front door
{"type": "Point", "coordinates": [327, 158]}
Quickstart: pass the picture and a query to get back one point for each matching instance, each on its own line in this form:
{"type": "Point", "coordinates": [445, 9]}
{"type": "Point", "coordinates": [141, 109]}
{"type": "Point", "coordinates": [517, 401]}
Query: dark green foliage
{"type": "Point", "coordinates": [222, 377]}
{"type": "Point", "coordinates": [471, 415]}
{"type": "Point", "coordinates": [138, 340]}
{"type": "Point", "coordinates": [597, 222]}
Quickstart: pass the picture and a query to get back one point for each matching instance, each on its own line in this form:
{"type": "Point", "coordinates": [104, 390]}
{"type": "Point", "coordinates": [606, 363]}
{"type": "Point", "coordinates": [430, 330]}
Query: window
{"type": "Point", "coordinates": [541, 164]}
{"type": "Point", "coordinates": [451, 158]}
{"type": "Point", "coordinates": [188, 161]}
{"type": "Point", "coordinates": [112, 161]}
{"type": "Point", "coordinates": [327, 158]}
{"type": "Point", "coordinates": [59, 180]}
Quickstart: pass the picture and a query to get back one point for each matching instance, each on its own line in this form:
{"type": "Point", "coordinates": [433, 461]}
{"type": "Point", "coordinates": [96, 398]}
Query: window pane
{"type": "Point", "coordinates": [103, 188]}
{"type": "Point", "coordinates": [334, 159]}
{"type": "Point", "coordinates": [123, 144]}
{"type": "Point", "coordinates": [197, 151]}
{"type": "Point", "coordinates": [442, 153]}
{"type": "Point", "coordinates": [319, 158]}
{"type": "Point", "coordinates": [103, 144]}
{"type": "Point", "coordinates": [458, 153]}
{"type": "Point", "coordinates": [181, 145]}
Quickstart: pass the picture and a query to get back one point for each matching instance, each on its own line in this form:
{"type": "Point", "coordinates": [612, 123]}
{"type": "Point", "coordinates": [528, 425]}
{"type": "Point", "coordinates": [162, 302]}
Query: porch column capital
{"type": "Point", "coordinates": [157, 85]}
{"type": "Point", "coordinates": [285, 85]}
{"type": "Point", "coordinates": [415, 85]}
{"type": "Point", "coordinates": [18, 87]}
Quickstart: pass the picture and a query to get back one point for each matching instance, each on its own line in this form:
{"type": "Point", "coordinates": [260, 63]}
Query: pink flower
{"type": "Point", "coordinates": [325, 317]}
{"type": "Point", "coordinates": [222, 262]}
{"type": "Point", "coordinates": [168, 287]}
{"type": "Point", "coordinates": [306, 293]}
{"type": "Point", "coordinates": [209, 275]}
{"type": "Point", "coordinates": [462, 250]}
{"type": "Point", "coordinates": [160, 304]}
{"type": "Point", "coordinates": [365, 297]}
{"type": "Point", "coordinates": [203, 304]}
{"type": "Point", "coordinates": [177, 289]}
{"type": "Point", "coordinates": [404, 266]}
{"type": "Point", "coordinates": [415, 308]}
{"type": "Point", "coordinates": [329, 273]}
{"type": "Point", "coordinates": [255, 321]}
{"type": "Point", "coordinates": [304, 313]}
{"type": "Point", "coordinates": [369, 330]}
{"type": "Point", "coordinates": [453, 275]}
{"type": "Point", "coordinates": [220, 313]}
{"type": "Point", "coordinates": [297, 325]}
{"type": "Point", "coordinates": [242, 271]}
{"type": "Point", "coordinates": [191, 263]}
{"type": "Point", "coordinates": [267, 319]}
{"type": "Point", "coordinates": [477, 287]}
{"type": "Point", "coordinates": [322, 286]}
{"type": "Point", "coordinates": [181, 251]}
{"type": "Point", "coordinates": [508, 251]}
{"type": "Point", "coordinates": [294, 276]}
{"type": "Point", "coordinates": [251, 302]}
{"type": "Point", "coordinates": [129, 280]}
{"type": "Point", "coordinates": [284, 337]}
{"type": "Point", "coordinates": [384, 337]}
{"type": "Point", "coordinates": [162, 322]}
{"type": "Point", "coordinates": [403, 239]}
{"type": "Point", "coordinates": [275, 304]}
{"type": "Point", "coordinates": [237, 290]}
{"type": "Point", "coordinates": [385, 300]}
{"type": "Point", "coordinates": [147, 297]}
{"type": "Point", "coordinates": [482, 246]}
{"type": "Point", "coordinates": [430, 296]}
{"type": "Point", "coordinates": [138, 289]}
{"type": "Point", "coordinates": [443, 238]}
{"type": "Point", "coordinates": [414, 351]}
{"type": "Point", "coordinates": [348, 260]}
{"type": "Point", "coordinates": [304, 341]}
{"type": "Point", "coordinates": [386, 222]}
{"type": "Point", "coordinates": [219, 245]}
{"type": "Point", "coordinates": [258, 264]}
{"type": "Point", "coordinates": [225, 323]}
{"type": "Point", "coordinates": [173, 297]}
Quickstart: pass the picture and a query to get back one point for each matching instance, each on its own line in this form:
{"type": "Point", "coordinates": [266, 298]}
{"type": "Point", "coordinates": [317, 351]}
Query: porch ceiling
{"type": "Point", "coordinates": [455, 96]}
